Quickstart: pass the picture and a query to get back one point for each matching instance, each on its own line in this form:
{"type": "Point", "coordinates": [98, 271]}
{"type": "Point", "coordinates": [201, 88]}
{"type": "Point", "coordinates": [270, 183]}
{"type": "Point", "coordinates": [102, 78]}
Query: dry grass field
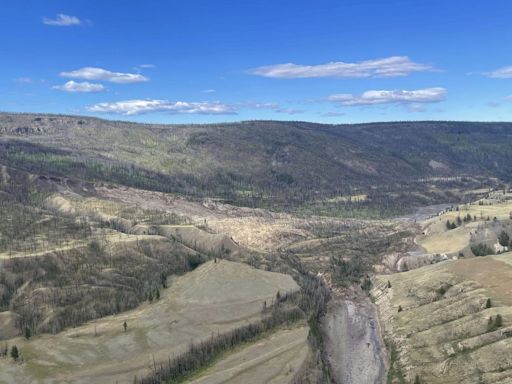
{"type": "Point", "coordinates": [275, 359]}
{"type": "Point", "coordinates": [437, 239]}
{"type": "Point", "coordinates": [214, 298]}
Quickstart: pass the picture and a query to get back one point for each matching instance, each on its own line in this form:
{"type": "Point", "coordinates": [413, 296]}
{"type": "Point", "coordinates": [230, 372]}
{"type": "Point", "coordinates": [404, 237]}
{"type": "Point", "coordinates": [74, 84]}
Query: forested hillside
{"type": "Point", "coordinates": [380, 168]}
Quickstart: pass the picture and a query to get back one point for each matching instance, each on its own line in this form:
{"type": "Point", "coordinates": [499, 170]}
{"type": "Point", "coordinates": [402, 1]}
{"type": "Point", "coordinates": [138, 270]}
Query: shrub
{"type": "Point", "coordinates": [504, 239]}
{"type": "Point", "coordinates": [496, 324]}
{"type": "Point", "coordinates": [482, 250]}
{"type": "Point", "coordinates": [15, 353]}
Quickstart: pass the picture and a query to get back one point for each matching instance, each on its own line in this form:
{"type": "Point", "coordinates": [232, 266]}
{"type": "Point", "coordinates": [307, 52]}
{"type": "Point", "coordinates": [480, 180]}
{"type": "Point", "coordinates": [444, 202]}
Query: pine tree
{"type": "Point", "coordinates": [15, 353]}
{"type": "Point", "coordinates": [504, 239]}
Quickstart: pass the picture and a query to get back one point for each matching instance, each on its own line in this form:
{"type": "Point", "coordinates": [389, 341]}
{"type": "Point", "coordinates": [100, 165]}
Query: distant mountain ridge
{"type": "Point", "coordinates": [260, 163]}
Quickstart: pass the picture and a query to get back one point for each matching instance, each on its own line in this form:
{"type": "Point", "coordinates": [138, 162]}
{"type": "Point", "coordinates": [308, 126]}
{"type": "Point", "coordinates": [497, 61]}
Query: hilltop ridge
{"type": "Point", "coordinates": [301, 166]}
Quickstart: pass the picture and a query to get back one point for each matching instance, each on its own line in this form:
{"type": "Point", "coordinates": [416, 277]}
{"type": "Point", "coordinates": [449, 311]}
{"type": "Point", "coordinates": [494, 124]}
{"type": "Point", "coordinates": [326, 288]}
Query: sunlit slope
{"type": "Point", "coordinates": [276, 359]}
{"type": "Point", "coordinates": [443, 320]}
{"type": "Point", "coordinates": [214, 298]}
{"type": "Point", "coordinates": [477, 222]}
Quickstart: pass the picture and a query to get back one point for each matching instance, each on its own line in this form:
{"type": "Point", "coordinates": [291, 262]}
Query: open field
{"type": "Point", "coordinates": [192, 308]}
{"type": "Point", "coordinates": [488, 217]}
{"type": "Point", "coordinates": [275, 359]}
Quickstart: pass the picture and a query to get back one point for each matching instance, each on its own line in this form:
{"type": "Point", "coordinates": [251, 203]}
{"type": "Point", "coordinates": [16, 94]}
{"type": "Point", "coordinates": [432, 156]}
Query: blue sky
{"type": "Point", "coordinates": [211, 61]}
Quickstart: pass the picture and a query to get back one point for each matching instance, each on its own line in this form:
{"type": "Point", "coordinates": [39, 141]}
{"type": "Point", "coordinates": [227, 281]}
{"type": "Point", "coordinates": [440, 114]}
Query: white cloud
{"type": "Point", "coordinates": [387, 67]}
{"type": "Point", "coordinates": [140, 106]}
{"type": "Point", "coordinates": [62, 20]}
{"type": "Point", "coordinates": [415, 107]}
{"type": "Point", "coordinates": [86, 87]}
{"type": "Point", "coordinates": [147, 66]}
{"type": "Point", "coordinates": [500, 73]}
{"type": "Point", "coordinates": [100, 74]}
{"type": "Point", "coordinates": [289, 111]}
{"type": "Point", "coordinates": [427, 95]}
{"type": "Point", "coordinates": [24, 80]}
{"type": "Point", "coordinates": [208, 91]}
{"type": "Point", "coordinates": [332, 114]}
{"type": "Point", "coordinates": [271, 106]}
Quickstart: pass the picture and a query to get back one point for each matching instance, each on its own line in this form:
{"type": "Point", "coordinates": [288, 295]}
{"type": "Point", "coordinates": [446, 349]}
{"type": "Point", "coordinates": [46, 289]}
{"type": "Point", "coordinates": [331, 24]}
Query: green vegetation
{"type": "Point", "coordinates": [494, 324]}
{"type": "Point", "coordinates": [295, 166]}
{"type": "Point", "coordinates": [504, 239]}
{"type": "Point", "coordinates": [482, 249]}
{"type": "Point", "coordinates": [81, 264]}
{"type": "Point", "coordinates": [136, 267]}
{"type": "Point", "coordinates": [346, 272]}
{"type": "Point", "coordinates": [362, 250]}
{"type": "Point", "coordinates": [395, 374]}
{"type": "Point", "coordinates": [450, 225]}
{"type": "Point", "coordinates": [15, 354]}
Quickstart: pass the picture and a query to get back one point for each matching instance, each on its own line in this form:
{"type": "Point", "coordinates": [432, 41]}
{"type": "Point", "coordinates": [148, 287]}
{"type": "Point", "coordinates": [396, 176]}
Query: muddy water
{"type": "Point", "coordinates": [353, 343]}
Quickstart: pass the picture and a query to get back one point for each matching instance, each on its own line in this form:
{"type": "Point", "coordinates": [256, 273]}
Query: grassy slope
{"type": "Point", "coordinates": [442, 332]}
{"type": "Point", "coordinates": [437, 316]}
{"type": "Point", "coordinates": [194, 307]}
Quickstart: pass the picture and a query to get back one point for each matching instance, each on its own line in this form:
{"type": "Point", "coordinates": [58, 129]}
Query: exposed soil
{"type": "Point", "coordinates": [354, 346]}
